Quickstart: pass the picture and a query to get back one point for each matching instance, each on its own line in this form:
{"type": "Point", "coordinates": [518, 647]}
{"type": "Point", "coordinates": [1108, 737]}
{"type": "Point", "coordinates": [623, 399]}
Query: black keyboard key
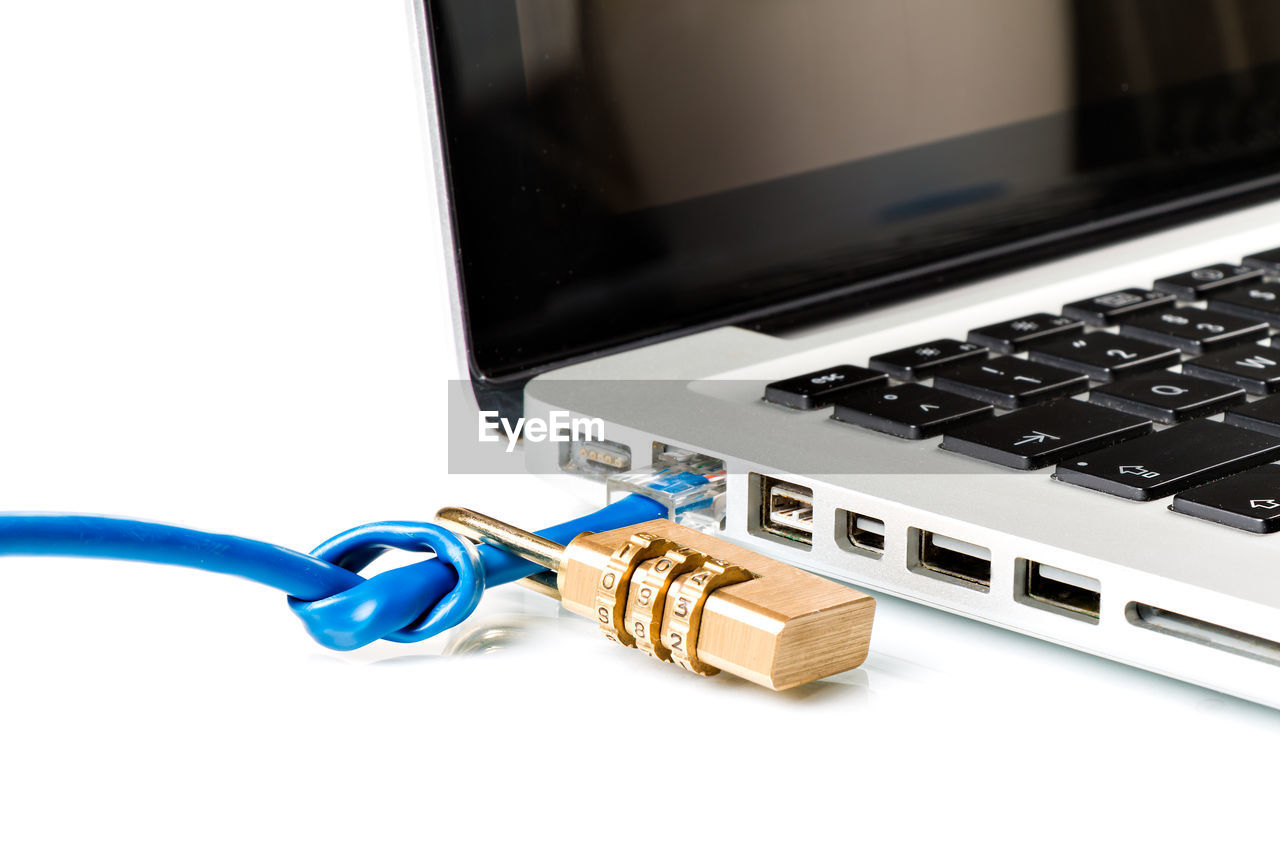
{"type": "Point", "coordinates": [1106, 309]}
{"type": "Point", "coordinates": [1193, 330]}
{"type": "Point", "coordinates": [908, 411]}
{"type": "Point", "coordinates": [1248, 501]}
{"type": "Point", "coordinates": [1011, 383]}
{"type": "Point", "coordinates": [815, 390]}
{"type": "Point", "coordinates": [1253, 367]}
{"type": "Point", "coordinates": [1042, 435]}
{"type": "Point", "coordinates": [922, 360]}
{"type": "Point", "coordinates": [1268, 261]}
{"type": "Point", "coordinates": [1159, 464]}
{"type": "Point", "coordinates": [1195, 284]}
{"type": "Point", "coordinates": [1013, 335]}
{"type": "Point", "coordinates": [1259, 300]}
{"type": "Point", "coordinates": [1261, 416]}
{"type": "Point", "coordinates": [1103, 356]}
{"type": "Point", "coordinates": [1167, 397]}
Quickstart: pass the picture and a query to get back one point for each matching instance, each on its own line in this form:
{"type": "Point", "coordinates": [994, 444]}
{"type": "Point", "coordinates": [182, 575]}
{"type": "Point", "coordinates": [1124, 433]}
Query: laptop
{"type": "Point", "coordinates": [967, 303]}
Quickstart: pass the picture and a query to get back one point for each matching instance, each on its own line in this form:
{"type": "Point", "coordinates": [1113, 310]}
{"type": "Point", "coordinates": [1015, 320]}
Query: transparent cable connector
{"type": "Point", "coordinates": [690, 485]}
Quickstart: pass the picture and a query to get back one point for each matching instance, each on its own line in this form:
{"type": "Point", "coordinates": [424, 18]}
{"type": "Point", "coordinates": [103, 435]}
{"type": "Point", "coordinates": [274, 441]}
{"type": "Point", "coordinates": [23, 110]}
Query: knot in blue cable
{"type": "Point", "coordinates": [405, 604]}
{"type": "Point", "coordinates": [340, 609]}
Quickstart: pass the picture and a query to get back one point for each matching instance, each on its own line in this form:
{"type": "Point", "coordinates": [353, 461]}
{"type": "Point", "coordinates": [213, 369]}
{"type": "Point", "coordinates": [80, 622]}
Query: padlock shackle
{"type": "Point", "coordinates": [485, 529]}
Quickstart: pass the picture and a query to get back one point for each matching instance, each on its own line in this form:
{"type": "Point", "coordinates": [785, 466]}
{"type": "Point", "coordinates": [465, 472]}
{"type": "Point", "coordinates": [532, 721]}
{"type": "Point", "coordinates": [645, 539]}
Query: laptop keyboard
{"type": "Point", "coordinates": [1168, 398]}
{"type": "Point", "coordinates": [1161, 463]}
{"type": "Point", "coordinates": [1260, 301]}
{"type": "Point", "coordinates": [923, 360]}
{"type": "Point", "coordinates": [1034, 367]}
{"type": "Point", "coordinates": [910, 411]}
{"type": "Point", "coordinates": [1197, 284]}
{"type": "Point", "coordinates": [1010, 382]}
{"type": "Point", "coordinates": [1013, 335]}
{"type": "Point", "coordinates": [1104, 356]}
{"type": "Point", "coordinates": [1193, 330]}
{"type": "Point", "coordinates": [1046, 434]}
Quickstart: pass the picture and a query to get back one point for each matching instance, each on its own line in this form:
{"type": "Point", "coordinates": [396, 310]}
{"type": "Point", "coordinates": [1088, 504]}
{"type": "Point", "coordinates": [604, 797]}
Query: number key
{"type": "Point", "coordinates": [1103, 355]}
{"type": "Point", "coordinates": [1104, 310]}
{"type": "Point", "coordinates": [922, 360]}
{"type": "Point", "coordinates": [1193, 330]}
{"type": "Point", "coordinates": [1195, 284]}
{"type": "Point", "coordinates": [1013, 335]}
{"type": "Point", "coordinates": [1259, 300]}
{"type": "Point", "coordinates": [1268, 261]}
{"type": "Point", "coordinates": [1010, 382]}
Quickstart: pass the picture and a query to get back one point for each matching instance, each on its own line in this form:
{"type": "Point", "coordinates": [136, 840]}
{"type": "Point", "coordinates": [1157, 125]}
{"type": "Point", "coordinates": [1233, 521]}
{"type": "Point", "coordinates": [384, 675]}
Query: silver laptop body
{"type": "Point", "coordinates": [1126, 579]}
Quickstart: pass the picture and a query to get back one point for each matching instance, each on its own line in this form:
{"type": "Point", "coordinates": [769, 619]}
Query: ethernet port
{"type": "Point", "coordinates": [950, 559]}
{"type": "Point", "coordinates": [783, 510]}
{"type": "Point", "coordinates": [1058, 590]}
{"type": "Point", "coordinates": [862, 533]}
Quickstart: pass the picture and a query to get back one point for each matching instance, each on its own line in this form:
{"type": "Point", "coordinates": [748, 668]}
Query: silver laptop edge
{"type": "Point", "coordinates": [429, 118]}
{"type": "Point", "coordinates": [1139, 554]}
{"type": "Point", "coordinates": [1135, 554]}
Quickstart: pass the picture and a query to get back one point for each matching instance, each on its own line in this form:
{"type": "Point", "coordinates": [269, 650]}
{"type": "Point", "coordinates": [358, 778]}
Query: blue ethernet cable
{"type": "Point", "coordinates": [340, 609]}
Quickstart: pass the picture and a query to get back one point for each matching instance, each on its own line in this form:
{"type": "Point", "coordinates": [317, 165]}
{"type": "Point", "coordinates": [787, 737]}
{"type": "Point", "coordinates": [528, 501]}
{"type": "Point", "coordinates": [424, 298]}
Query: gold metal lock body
{"type": "Point", "coordinates": [687, 597]}
{"type": "Point", "coordinates": [767, 622]}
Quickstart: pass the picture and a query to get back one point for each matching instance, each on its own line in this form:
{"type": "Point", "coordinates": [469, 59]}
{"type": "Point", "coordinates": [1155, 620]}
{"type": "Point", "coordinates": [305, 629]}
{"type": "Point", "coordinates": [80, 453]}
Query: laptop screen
{"type": "Point", "coordinates": [627, 170]}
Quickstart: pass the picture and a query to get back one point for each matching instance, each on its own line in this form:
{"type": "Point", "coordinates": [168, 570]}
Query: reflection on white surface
{"type": "Point", "coordinates": [915, 649]}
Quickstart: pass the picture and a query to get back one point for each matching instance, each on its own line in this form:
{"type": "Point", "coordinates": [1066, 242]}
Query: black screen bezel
{"type": "Point", "coordinates": [494, 217]}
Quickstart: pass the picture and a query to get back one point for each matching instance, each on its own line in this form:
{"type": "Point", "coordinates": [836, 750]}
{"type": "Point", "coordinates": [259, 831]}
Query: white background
{"type": "Point", "coordinates": [223, 306]}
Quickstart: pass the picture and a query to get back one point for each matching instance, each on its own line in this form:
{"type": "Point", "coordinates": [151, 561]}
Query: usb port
{"type": "Point", "coordinates": [950, 559]}
{"type": "Point", "coordinates": [1051, 588]}
{"type": "Point", "coordinates": [786, 510]}
{"type": "Point", "coordinates": [862, 532]}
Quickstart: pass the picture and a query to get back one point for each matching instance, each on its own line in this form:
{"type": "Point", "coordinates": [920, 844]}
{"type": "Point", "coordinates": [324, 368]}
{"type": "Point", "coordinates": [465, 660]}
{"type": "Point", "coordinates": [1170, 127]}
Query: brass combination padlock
{"type": "Point", "coordinates": [683, 596]}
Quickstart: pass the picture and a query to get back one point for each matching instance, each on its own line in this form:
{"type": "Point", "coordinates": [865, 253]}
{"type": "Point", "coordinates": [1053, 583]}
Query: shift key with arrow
{"type": "Point", "coordinates": [1248, 501]}
{"type": "Point", "coordinates": [1042, 435]}
{"type": "Point", "coordinates": [1162, 463]}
